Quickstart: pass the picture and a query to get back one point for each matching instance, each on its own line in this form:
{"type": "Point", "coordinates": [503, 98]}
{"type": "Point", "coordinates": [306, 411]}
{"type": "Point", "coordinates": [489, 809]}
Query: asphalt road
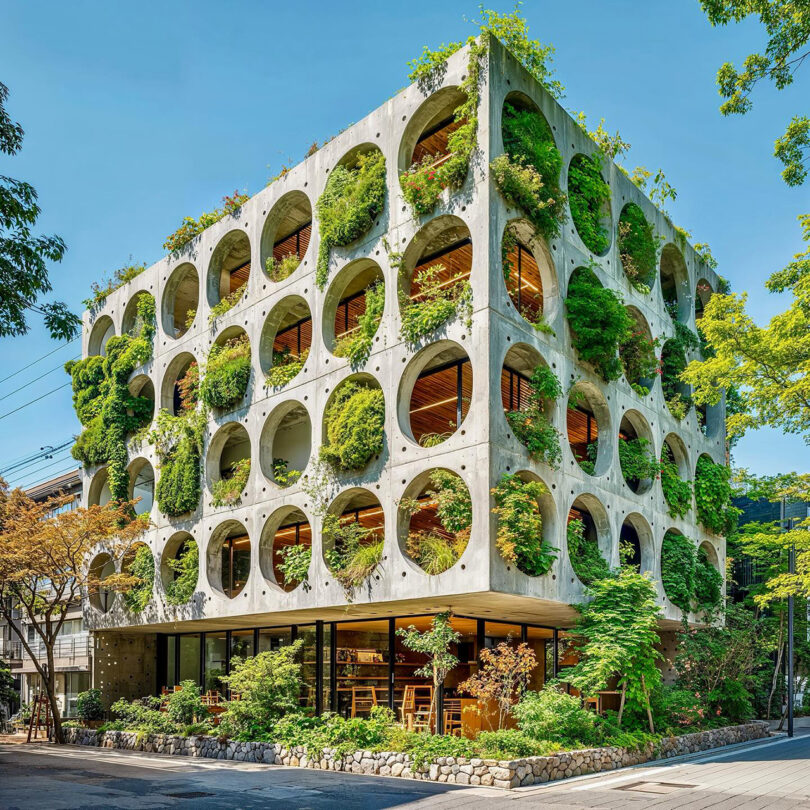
{"type": "Point", "coordinates": [772, 774]}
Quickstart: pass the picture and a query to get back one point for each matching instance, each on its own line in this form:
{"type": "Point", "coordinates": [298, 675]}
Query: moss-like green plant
{"type": "Point", "coordinates": [355, 551]}
{"type": "Point", "coordinates": [356, 345]}
{"type": "Point", "coordinates": [185, 568]}
{"type": "Point", "coordinates": [438, 302]}
{"type": "Point", "coordinates": [520, 525]}
{"type": "Point", "coordinates": [278, 271]}
{"type": "Point", "coordinates": [227, 303]}
{"type": "Point", "coordinates": [599, 323]}
{"type": "Point", "coordinates": [528, 175]}
{"type": "Point", "coordinates": [637, 460]}
{"type": "Point", "coordinates": [588, 563]}
{"type": "Point", "coordinates": [109, 413]}
{"type": "Point", "coordinates": [142, 566]}
{"type": "Point", "coordinates": [352, 200]}
{"type": "Point", "coordinates": [637, 248]}
{"type": "Point", "coordinates": [286, 366]}
{"type": "Point", "coordinates": [673, 364]}
{"type": "Point", "coordinates": [531, 426]}
{"type": "Point", "coordinates": [638, 357]}
{"type": "Point", "coordinates": [677, 492]}
{"type": "Point", "coordinates": [227, 373]}
{"type": "Point", "coordinates": [708, 583]}
{"type": "Point", "coordinates": [294, 565]}
{"type": "Point", "coordinates": [176, 241]}
{"type": "Point", "coordinates": [678, 560]}
{"type": "Point", "coordinates": [713, 497]}
{"type": "Point", "coordinates": [228, 491]}
{"type": "Point", "coordinates": [588, 197]}
{"type": "Point", "coordinates": [355, 424]}
{"type": "Point", "coordinates": [100, 292]}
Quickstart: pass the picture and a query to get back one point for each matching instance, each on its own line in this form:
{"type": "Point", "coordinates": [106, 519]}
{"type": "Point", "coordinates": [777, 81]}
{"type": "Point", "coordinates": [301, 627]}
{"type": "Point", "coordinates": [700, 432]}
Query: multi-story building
{"type": "Point", "coordinates": [446, 397]}
{"type": "Point", "coordinates": [73, 650]}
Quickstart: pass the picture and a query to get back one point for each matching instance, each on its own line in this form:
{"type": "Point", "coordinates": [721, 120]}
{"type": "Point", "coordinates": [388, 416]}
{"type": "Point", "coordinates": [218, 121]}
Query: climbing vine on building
{"type": "Point", "coordinates": [637, 460]}
{"type": "Point", "coordinates": [637, 247]}
{"type": "Point", "coordinates": [355, 426]}
{"type": "Point", "coordinates": [227, 373]}
{"type": "Point", "coordinates": [583, 551]}
{"type": "Point", "coordinates": [690, 580]}
{"type": "Point", "coordinates": [713, 497]}
{"type": "Point", "coordinates": [355, 551]}
{"type": "Point", "coordinates": [356, 345]}
{"type": "Point", "coordinates": [185, 570]}
{"type": "Point", "coordinates": [639, 360]}
{"type": "Point", "coordinates": [142, 567]}
{"type": "Point", "coordinates": [227, 491]}
{"type": "Point", "coordinates": [353, 198]}
{"type": "Point", "coordinates": [438, 302]}
{"type": "Point", "coordinates": [589, 198]}
{"type": "Point", "coordinates": [677, 492]}
{"type": "Point", "coordinates": [531, 425]}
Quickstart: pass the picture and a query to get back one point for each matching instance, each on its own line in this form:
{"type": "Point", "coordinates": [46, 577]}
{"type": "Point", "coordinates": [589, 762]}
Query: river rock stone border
{"type": "Point", "coordinates": [455, 770]}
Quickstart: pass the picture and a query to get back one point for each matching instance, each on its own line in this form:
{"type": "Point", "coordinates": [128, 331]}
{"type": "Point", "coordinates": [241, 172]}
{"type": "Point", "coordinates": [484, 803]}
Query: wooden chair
{"type": "Point", "coordinates": [452, 716]}
{"type": "Point", "coordinates": [417, 699]}
{"type": "Point", "coordinates": [364, 699]}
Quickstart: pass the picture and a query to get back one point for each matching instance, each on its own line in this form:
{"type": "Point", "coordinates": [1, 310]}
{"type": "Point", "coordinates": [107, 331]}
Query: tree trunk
{"type": "Point", "coordinates": [649, 708]}
{"type": "Point", "coordinates": [777, 667]}
{"type": "Point", "coordinates": [50, 688]}
{"type": "Point", "coordinates": [621, 704]}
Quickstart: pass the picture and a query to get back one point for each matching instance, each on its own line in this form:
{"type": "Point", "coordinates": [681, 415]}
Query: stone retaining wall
{"type": "Point", "coordinates": [456, 770]}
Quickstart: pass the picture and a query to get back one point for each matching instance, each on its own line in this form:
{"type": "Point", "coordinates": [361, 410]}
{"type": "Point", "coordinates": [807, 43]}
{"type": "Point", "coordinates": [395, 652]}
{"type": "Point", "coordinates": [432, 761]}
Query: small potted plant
{"type": "Point", "coordinates": [90, 708]}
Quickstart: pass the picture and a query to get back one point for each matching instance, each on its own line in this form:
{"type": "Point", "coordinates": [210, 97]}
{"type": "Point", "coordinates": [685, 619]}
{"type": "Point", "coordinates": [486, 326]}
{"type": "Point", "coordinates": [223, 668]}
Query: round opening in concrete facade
{"type": "Point", "coordinates": [181, 300]}
{"type": "Point", "coordinates": [588, 539]}
{"type": "Point", "coordinates": [228, 464]}
{"type": "Point", "coordinates": [636, 547]}
{"type": "Point", "coordinates": [674, 283]}
{"type": "Point", "coordinates": [229, 268]}
{"type": "Point", "coordinates": [637, 458]}
{"type": "Point", "coordinates": [637, 247]}
{"type": "Point", "coordinates": [142, 485]}
{"type": "Point", "coordinates": [101, 567]}
{"type": "Point", "coordinates": [710, 555]}
{"type": "Point", "coordinates": [103, 329]}
{"type": "Point", "coordinates": [353, 537]}
{"type": "Point", "coordinates": [179, 567]}
{"type": "Point", "coordinates": [285, 341]}
{"type": "Point", "coordinates": [703, 292]}
{"type": "Point", "coordinates": [425, 140]}
{"type": "Point", "coordinates": [99, 492]}
{"type": "Point", "coordinates": [142, 386]}
{"type": "Point", "coordinates": [436, 265]}
{"type": "Point", "coordinates": [286, 529]}
{"type": "Point", "coordinates": [286, 235]}
{"type": "Point", "coordinates": [286, 443]}
{"type": "Point", "coordinates": [131, 323]}
{"type": "Point", "coordinates": [638, 354]}
{"type": "Point", "coordinates": [353, 310]}
{"type": "Point", "coordinates": [589, 202]}
{"type": "Point", "coordinates": [677, 394]}
{"type": "Point", "coordinates": [435, 393]}
{"type": "Point", "coordinates": [229, 360]}
{"type": "Point", "coordinates": [435, 520]}
{"type": "Point", "coordinates": [529, 274]}
{"type": "Point", "coordinates": [144, 589]}
{"type": "Point", "coordinates": [180, 382]}
{"type": "Point", "coordinates": [588, 416]}
{"type": "Point", "coordinates": [673, 549]}
{"type": "Point", "coordinates": [674, 450]}
{"type": "Point", "coordinates": [228, 558]}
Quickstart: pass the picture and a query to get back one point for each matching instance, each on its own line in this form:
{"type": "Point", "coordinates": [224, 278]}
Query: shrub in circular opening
{"type": "Point", "coordinates": [677, 492]}
{"type": "Point", "coordinates": [356, 346]}
{"type": "Point", "coordinates": [587, 561]}
{"type": "Point", "coordinates": [637, 461]}
{"type": "Point", "coordinates": [185, 570]}
{"type": "Point", "coordinates": [639, 360]}
{"type": "Point", "coordinates": [713, 497]}
{"type": "Point", "coordinates": [531, 426]}
{"type": "Point", "coordinates": [356, 551]}
{"type": "Point", "coordinates": [588, 196]}
{"type": "Point", "coordinates": [355, 423]}
{"type": "Point", "coordinates": [227, 373]}
{"type": "Point", "coordinates": [678, 557]}
{"type": "Point", "coordinates": [352, 200]}
{"type": "Point", "coordinates": [141, 567]}
{"type": "Point", "coordinates": [637, 248]}
{"type": "Point", "coordinates": [178, 443]}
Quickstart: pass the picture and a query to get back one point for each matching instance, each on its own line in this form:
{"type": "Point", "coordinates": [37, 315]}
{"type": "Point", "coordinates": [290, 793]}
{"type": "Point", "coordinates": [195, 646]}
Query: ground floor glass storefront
{"type": "Point", "coordinates": [349, 667]}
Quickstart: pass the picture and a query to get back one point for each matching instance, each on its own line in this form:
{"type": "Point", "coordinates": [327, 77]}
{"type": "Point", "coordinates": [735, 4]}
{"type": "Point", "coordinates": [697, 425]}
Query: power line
{"type": "Point", "coordinates": [25, 405]}
{"type": "Point", "coordinates": [32, 482]}
{"type": "Point", "coordinates": [34, 362]}
{"type": "Point", "coordinates": [62, 457]}
{"type": "Point", "coordinates": [36, 380]}
{"type": "Point", "coordinates": [36, 477]}
{"type": "Point", "coordinates": [24, 461]}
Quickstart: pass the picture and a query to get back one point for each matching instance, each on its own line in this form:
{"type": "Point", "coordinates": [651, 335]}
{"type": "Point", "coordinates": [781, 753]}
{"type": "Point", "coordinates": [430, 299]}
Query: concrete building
{"type": "Point", "coordinates": [73, 653]}
{"type": "Point", "coordinates": [460, 380]}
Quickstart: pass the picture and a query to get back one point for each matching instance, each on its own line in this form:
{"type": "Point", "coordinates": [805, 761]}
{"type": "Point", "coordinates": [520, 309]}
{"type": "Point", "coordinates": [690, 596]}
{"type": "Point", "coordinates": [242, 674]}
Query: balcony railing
{"type": "Point", "coordinates": [66, 649]}
{"type": "Point", "coordinates": [10, 650]}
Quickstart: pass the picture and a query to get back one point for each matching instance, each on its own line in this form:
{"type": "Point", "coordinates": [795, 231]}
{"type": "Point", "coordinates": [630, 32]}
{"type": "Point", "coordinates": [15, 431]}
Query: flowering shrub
{"type": "Point", "coordinates": [176, 241]}
{"type": "Point", "coordinates": [437, 303]}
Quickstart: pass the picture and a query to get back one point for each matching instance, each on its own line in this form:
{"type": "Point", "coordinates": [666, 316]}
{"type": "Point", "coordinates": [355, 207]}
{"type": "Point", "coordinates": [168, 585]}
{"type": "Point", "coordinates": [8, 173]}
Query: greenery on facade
{"type": "Point", "coordinates": [677, 491]}
{"type": "Point", "coordinates": [531, 425]}
{"type": "Point", "coordinates": [713, 497]}
{"type": "Point", "coordinates": [286, 366]}
{"type": "Point", "coordinates": [353, 198]}
{"type": "Point", "coordinates": [678, 560]}
{"type": "Point", "coordinates": [226, 304]}
{"type": "Point", "coordinates": [356, 345]}
{"type": "Point", "coordinates": [637, 460]}
{"type": "Point", "coordinates": [673, 365]}
{"type": "Point", "coordinates": [599, 323]}
{"type": "Point", "coordinates": [637, 247]}
{"type": "Point", "coordinates": [520, 525]}
{"type": "Point", "coordinates": [227, 373]}
{"type": "Point", "coordinates": [528, 175]}
{"type": "Point", "coordinates": [142, 567]}
{"type": "Point", "coordinates": [355, 551]}
{"type": "Point", "coordinates": [101, 291]}
{"type": "Point", "coordinates": [294, 565]}
{"type": "Point", "coordinates": [638, 357]}
{"type": "Point", "coordinates": [106, 408]}
{"type": "Point", "coordinates": [589, 198]}
{"type": "Point", "coordinates": [185, 570]}
{"type": "Point", "coordinates": [587, 561]}
{"type": "Point", "coordinates": [279, 270]}
{"type": "Point", "coordinates": [438, 302]}
{"type": "Point", "coordinates": [228, 491]}
{"type": "Point", "coordinates": [355, 426]}
{"type": "Point", "coordinates": [191, 227]}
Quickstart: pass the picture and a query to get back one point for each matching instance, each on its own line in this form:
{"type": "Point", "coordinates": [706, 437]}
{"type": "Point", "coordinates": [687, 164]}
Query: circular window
{"type": "Point", "coordinates": [103, 329]}
{"type": "Point", "coordinates": [589, 201]}
{"type": "Point", "coordinates": [637, 458]}
{"type": "Point", "coordinates": [638, 354]}
{"type": "Point", "coordinates": [588, 539]}
{"type": "Point", "coordinates": [286, 443]}
{"type": "Point", "coordinates": [636, 543]}
{"type": "Point", "coordinates": [179, 568]}
{"type": "Point", "coordinates": [229, 464]}
{"type": "Point", "coordinates": [101, 567]}
{"type": "Point", "coordinates": [285, 551]}
{"type": "Point", "coordinates": [226, 378]}
{"type": "Point", "coordinates": [99, 492]}
{"type": "Point", "coordinates": [677, 394]}
{"type": "Point", "coordinates": [181, 384]}
{"type": "Point", "coordinates": [229, 558]}
{"type": "Point", "coordinates": [588, 416]}
{"type": "Point", "coordinates": [228, 272]}
{"type": "Point", "coordinates": [131, 323]}
{"type": "Point", "coordinates": [285, 341]}
{"type": "Point", "coordinates": [674, 283]}
{"type": "Point", "coordinates": [142, 485]}
{"type": "Point", "coordinates": [142, 389]}
{"type": "Point", "coordinates": [286, 235]}
{"type": "Point", "coordinates": [139, 563]}
{"type": "Point", "coordinates": [637, 248]}
{"type": "Point", "coordinates": [181, 299]}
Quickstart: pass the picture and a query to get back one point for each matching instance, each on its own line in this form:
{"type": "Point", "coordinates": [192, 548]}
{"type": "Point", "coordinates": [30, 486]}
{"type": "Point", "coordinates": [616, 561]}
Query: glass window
{"type": "Point", "coordinates": [273, 638]}
{"type": "Point", "coordinates": [235, 564]}
{"type": "Point", "coordinates": [215, 663]}
{"type": "Point", "coordinates": [541, 641]}
{"type": "Point", "coordinates": [362, 667]}
{"type": "Point", "coordinates": [242, 644]}
{"type": "Point", "coordinates": [171, 674]}
{"type": "Point", "coordinates": [75, 682]}
{"type": "Point", "coordinates": [327, 646]}
{"type": "Point", "coordinates": [413, 694]}
{"type": "Point", "coordinates": [308, 666]}
{"type": "Point", "coordinates": [497, 632]}
{"type": "Point", "coordinates": [189, 658]}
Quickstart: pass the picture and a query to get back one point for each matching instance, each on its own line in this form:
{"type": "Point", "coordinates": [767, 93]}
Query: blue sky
{"type": "Point", "coordinates": [138, 114]}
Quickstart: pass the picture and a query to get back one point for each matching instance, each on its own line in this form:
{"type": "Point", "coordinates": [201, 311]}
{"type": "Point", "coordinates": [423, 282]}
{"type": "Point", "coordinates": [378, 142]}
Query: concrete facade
{"type": "Point", "coordinates": [481, 583]}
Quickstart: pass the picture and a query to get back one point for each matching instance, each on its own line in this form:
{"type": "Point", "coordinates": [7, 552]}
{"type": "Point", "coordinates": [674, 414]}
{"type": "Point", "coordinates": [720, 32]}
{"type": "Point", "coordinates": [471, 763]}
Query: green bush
{"type": "Point", "coordinates": [587, 561]}
{"type": "Point", "coordinates": [227, 373]}
{"type": "Point", "coordinates": [678, 560]}
{"type": "Point", "coordinates": [531, 426]}
{"type": "Point", "coordinates": [226, 304]}
{"type": "Point", "coordinates": [425, 748]}
{"type": "Point", "coordinates": [557, 717]}
{"type": "Point", "coordinates": [355, 424]}
{"type": "Point", "coordinates": [438, 303]}
{"type": "Point", "coordinates": [185, 706]}
{"type": "Point", "coordinates": [637, 460]}
{"type": "Point", "coordinates": [352, 199]}
{"type": "Point", "coordinates": [677, 492]}
{"type": "Point", "coordinates": [278, 271]}
{"type": "Point", "coordinates": [141, 715]}
{"type": "Point", "coordinates": [599, 323]}
{"type": "Point", "coordinates": [637, 248]}
{"type": "Point", "coordinates": [142, 567]}
{"type": "Point", "coordinates": [708, 583]}
{"type": "Point", "coordinates": [355, 551]}
{"type": "Point", "coordinates": [89, 706]}
{"type": "Point", "coordinates": [520, 525]}
{"type": "Point", "coordinates": [185, 568]}
{"type": "Point", "coordinates": [286, 367]}
{"type": "Point", "coordinates": [588, 197]}
{"type": "Point", "coordinates": [638, 356]}
{"type": "Point", "coordinates": [228, 491]}
{"type": "Point", "coordinates": [356, 346]}
{"type": "Point", "coordinates": [713, 497]}
{"type": "Point", "coordinates": [294, 565]}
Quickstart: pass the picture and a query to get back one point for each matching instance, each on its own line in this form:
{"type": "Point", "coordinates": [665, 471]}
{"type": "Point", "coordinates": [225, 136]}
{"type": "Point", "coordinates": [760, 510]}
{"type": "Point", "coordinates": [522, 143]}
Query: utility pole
{"type": "Point", "coordinates": [785, 523]}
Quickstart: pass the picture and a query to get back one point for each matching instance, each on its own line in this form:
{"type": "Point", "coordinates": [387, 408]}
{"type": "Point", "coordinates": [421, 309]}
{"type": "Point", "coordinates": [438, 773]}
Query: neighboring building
{"type": "Point", "coordinates": [460, 382]}
{"type": "Point", "coordinates": [73, 649]}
